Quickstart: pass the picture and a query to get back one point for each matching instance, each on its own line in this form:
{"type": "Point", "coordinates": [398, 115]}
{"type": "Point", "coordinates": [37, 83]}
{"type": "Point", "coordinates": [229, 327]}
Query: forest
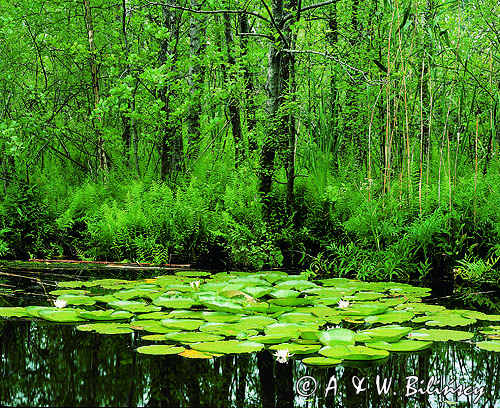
{"type": "Point", "coordinates": [352, 138]}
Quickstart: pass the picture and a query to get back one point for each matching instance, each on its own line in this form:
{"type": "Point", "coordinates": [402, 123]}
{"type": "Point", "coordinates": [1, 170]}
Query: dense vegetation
{"type": "Point", "coordinates": [357, 138]}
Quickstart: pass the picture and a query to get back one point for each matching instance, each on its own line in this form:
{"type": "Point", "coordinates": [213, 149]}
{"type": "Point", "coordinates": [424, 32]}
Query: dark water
{"type": "Point", "coordinates": [45, 364]}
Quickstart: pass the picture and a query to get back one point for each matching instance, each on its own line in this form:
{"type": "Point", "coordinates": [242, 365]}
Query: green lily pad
{"type": "Point", "coordinates": [321, 361]}
{"type": "Point", "coordinates": [269, 338]}
{"type": "Point", "coordinates": [61, 315]}
{"type": "Point", "coordinates": [160, 349]}
{"type": "Point", "coordinates": [68, 292]}
{"type": "Point", "coordinates": [186, 314]}
{"type": "Point", "coordinates": [134, 306]}
{"type": "Point", "coordinates": [389, 333]}
{"type": "Point", "coordinates": [153, 316]}
{"type": "Point", "coordinates": [449, 319]}
{"type": "Point", "coordinates": [106, 328]}
{"type": "Point", "coordinates": [364, 309]}
{"type": "Point", "coordinates": [363, 296]}
{"type": "Point", "coordinates": [154, 337]}
{"type": "Point", "coordinates": [440, 335]}
{"type": "Point", "coordinates": [298, 284]}
{"type": "Point", "coordinates": [402, 345]}
{"type": "Point", "coordinates": [221, 317]}
{"type": "Point", "coordinates": [391, 316]}
{"type": "Point", "coordinates": [472, 314]}
{"type": "Point", "coordinates": [174, 302]}
{"type": "Point", "coordinates": [223, 329]}
{"type": "Point", "coordinates": [224, 306]}
{"type": "Point", "coordinates": [293, 330]}
{"type": "Point", "coordinates": [77, 300]}
{"type": "Point", "coordinates": [336, 337]}
{"type": "Point", "coordinates": [137, 293]}
{"type": "Point", "coordinates": [284, 293]}
{"type": "Point", "coordinates": [152, 326]}
{"type": "Point", "coordinates": [257, 291]}
{"type": "Point", "coordinates": [13, 312]}
{"type": "Point", "coordinates": [105, 314]}
{"type": "Point", "coordinates": [348, 352]}
{"type": "Point", "coordinates": [192, 337]}
{"type": "Point", "coordinates": [489, 345]}
{"type": "Point", "coordinates": [294, 317]}
{"type": "Point", "coordinates": [228, 347]}
{"type": "Point", "coordinates": [182, 324]}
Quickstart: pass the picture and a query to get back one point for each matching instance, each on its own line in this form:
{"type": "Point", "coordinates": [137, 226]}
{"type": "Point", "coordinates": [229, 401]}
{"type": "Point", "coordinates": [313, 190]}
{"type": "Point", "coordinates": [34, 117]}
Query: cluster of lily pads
{"type": "Point", "coordinates": [202, 315]}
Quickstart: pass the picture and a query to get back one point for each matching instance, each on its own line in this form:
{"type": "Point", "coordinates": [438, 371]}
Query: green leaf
{"type": "Point", "coordinates": [440, 335]}
{"type": "Point", "coordinates": [160, 349]}
{"type": "Point", "coordinates": [401, 345]}
{"type": "Point", "coordinates": [228, 347]}
{"type": "Point", "coordinates": [13, 312]}
{"type": "Point", "coordinates": [105, 314]}
{"type": "Point", "coordinates": [336, 337]}
{"type": "Point", "coordinates": [321, 361]}
{"type": "Point", "coordinates": [182, 324]}
{"type": "Point", "coordinates": [61, 315]}
{"type": "Point", "coordinates": [353, 353]}
{"type": "Point", "coordinates": [489, 345]}
{"type": "Point", "coordinates": [192, 337]}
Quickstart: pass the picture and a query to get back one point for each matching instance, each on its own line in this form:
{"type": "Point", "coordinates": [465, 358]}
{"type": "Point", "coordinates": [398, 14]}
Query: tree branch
{"type": "Point", "coordinates": [311, 7]}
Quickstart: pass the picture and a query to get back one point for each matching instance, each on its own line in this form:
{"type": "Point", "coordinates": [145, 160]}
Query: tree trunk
{"type": "Point", "coordinates": [101, 154]}
{"type": "Point", "coordinates": [234, 108]}
{"type": "Point", "coordinates": [171, 145]}
{"type": "Point", "coordinates": [195, 75]}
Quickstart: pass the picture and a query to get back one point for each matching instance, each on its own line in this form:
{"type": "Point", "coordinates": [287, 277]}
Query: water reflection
{"type": "Point", "coordinates": [45, 364]}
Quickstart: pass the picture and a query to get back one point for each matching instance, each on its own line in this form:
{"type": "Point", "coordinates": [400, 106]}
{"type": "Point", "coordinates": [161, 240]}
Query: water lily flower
{"type": "Point", "coordinates": [343, 304]}
{"type": "Point", "coordinates": [282, 356]}
{"type": "Point", "coordinates": [60, 303]}
{"type": "Point", "coordinates": [195, 284]}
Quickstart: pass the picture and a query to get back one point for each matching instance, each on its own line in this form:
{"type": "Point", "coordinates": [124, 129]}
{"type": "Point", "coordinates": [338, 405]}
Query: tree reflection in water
{"type": "Point", "coordinates": [56, 365]}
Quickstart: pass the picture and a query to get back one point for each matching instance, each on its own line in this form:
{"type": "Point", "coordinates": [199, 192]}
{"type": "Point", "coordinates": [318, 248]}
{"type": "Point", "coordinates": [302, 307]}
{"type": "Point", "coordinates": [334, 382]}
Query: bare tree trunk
{"type": "Point", "coordinates": [195, 75]}
{"type": "Point", "coordinates": [101, 154]}
{"type": "Point", "coordinates": [234, 108]}
{"type": "Point", "coordinates": [249, 85]}
{"type": "Point", "coordinates": [171, 145]}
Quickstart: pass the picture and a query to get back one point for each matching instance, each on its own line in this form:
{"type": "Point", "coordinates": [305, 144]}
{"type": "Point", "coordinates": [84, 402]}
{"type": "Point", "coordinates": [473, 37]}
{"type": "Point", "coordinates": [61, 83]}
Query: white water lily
{"type": "Point", "coordinates": [343, 304]}
{"type": "Point", "coordinates": [195, 284]}
{"type": "Point", "coordinates": [282, 356]}
{"type": "Point", "coordinates": [60, 303]}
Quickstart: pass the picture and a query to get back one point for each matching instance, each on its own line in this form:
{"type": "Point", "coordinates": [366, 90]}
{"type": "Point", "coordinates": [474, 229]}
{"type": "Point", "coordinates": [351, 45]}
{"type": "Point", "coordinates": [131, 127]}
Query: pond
{"type": "Point", "coordinates": [48, 363]}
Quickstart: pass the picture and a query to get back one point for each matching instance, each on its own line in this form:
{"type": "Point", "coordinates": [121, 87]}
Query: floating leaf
{"type": "Point", "coordinates": [440, 335]}
{"type": "Point", "coordinates": [489, 345]}
{"type": "Point", "coordinates": [182, 324]}
{"type": "Point", "coordinates": [321, 361]}
{"type": "Point", "coordinates": [77, 300]}
{"type": "Point", "coordinates": [298, 284]}
{"type": "Point", "coordinates": [353, 353]}
{"type": "Point", "coordinates": [300, 317]}
{"type": "Point", "coordinates": [137, 293]}
{"type": "Point", "coordinates": [228, 347]}
{"type": "Point", "coordinates": [153, 316]}
{"type": "Point", "coordinates": [390, 333]}
{"type": "Point", "coordinates": [154, 337]}
{"type": "Point", "coordinates": [106, 328]}
{"type": "Point", "coordinates": [221, 317]}
{"type": "Point", "coordinates": [257, 322]}
{"type": "Point", "coordinates": [364, 309]}
{"type": "Point", "coordinates": [270, 338]}
{"type": "Point", "coordinates": [174, 302]}
{"type": "Point", "coordinates": [160, 349]}
{"type": "Point", "coordinates": [134, 306]}
{"type": "Point", "coordinates": [336, 337]}
{"type": "Point", "coordinates": [196, 354]}
{"type": "Point", "coordinates": [186, 314]}
{"type": "Point", "coordinates": [105, 314]}
{"type": "Point", "coordinates": [402, 345]}
{"type": "Point", "coordinates": [152, 326]}
{"type": "Point", "coordinates": [192, 337]}
{"type": "Point", "coordinates": [13, 312]}
{"type": "Point", "coordinates": [61, 315]}
{"type": "Point", "coordinates": [449, 319]}
{"type": "Point", "coordinates": [224, 306]}
{"type": "Point", "coordinates": [284, 293]}
{"type": "Point", "coordinates": [391, 316]}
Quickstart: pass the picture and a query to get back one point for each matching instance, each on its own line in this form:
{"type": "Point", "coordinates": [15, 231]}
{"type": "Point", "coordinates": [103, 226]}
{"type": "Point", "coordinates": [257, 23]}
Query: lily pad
{"type": "Point", "coordinates": [269, 338]}
{"type": "Point", "coordinates": [353, 353]}
{"type": "Point", "coordinates": [440, 335]}
{"type": "Point", "coordinates": [489, 345]}
{"type": "Point", "coordinates": [61, 315]}
{"type": "Point", "coordinates": [389, 333]}
{"type": "Point", "coordinates": [77, 300]}
{"type": "Point", "coordinates": [134, 306]}
{"type": "Point", "coordinates": [197, 354]}
{"type": "Point", "coordinates": [228, 347]}
{"type": "Point", "coordinates": [182, 324]}
{"type": "Point", "coordinates": [137, 293]}
{"type": "Point", "coordinates": [402, 345]}
{"type": "Point", "coordinates": [336, 337]}
{"type": "Point", "coordinates": [174, 302]}
{"type": "Point", "coordinates": [106, 328]}
{"type": "Point", "coordinates": [160, 349]}
{"type": "Point", "coordinates": [13, 312]}
{"type": "Point", "coordinates": [391, 316]}
{"type": "Point", "coordinates": [321, 361]}
{"type": "Point", "coordinates": [105, 314]}
{"type": "Point", "coordinates": [192, 337]}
